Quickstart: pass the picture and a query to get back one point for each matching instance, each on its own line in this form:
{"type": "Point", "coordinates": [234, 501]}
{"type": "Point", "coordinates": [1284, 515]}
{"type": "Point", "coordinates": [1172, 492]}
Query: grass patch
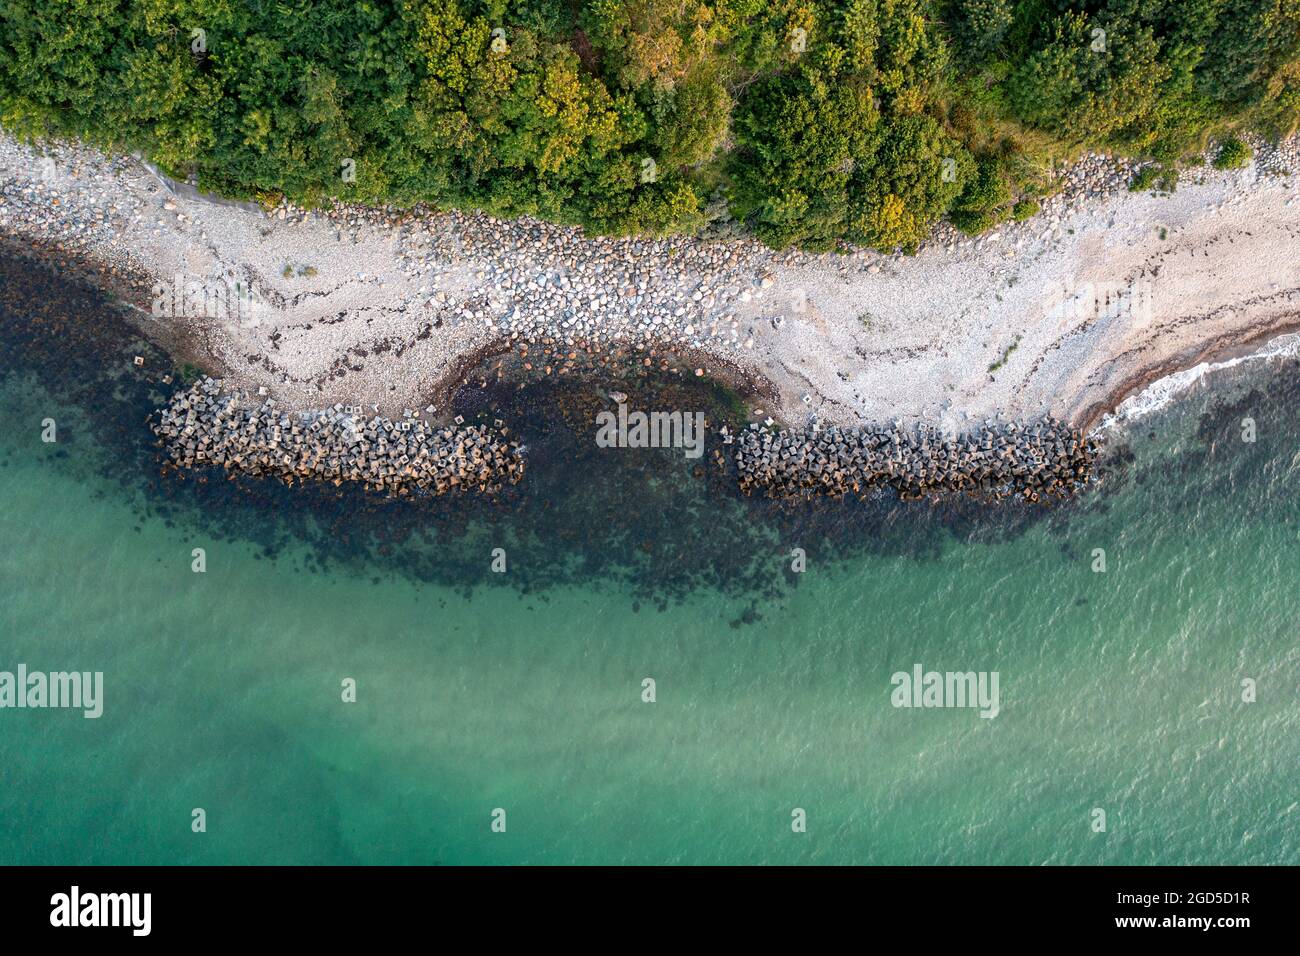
{"type": "Point", "coordinates": [1006, 354]}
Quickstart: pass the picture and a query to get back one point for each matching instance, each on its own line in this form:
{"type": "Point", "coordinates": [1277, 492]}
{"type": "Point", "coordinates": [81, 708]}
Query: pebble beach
{"type": "Point", "coordinates": [1057, 318]}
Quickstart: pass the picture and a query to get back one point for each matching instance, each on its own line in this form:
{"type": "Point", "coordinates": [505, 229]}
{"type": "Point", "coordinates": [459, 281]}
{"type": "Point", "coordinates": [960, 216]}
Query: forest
{"type": "Point", "coordinates": [802, 122]}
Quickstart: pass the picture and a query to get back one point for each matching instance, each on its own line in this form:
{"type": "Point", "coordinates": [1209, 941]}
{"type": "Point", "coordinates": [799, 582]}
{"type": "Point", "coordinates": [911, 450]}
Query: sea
{"type": "Point", "coordinates": [621, 660]}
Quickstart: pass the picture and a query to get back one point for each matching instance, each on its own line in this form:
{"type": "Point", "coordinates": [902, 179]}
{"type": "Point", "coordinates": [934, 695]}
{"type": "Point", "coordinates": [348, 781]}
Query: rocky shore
{"type": "Point", "coordinates": [203, 426]}
{"type": "Point", "coordinates": [1042, 459]}
{"type": "Point", "coordinates": [206, 426]}
{"type": "Point", "coordinates": [1063, 314]}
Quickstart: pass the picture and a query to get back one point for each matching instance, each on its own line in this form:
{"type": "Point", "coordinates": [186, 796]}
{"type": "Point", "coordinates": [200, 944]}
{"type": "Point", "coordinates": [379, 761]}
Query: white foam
{"type": "Point", "coordinates": [1162, 391]}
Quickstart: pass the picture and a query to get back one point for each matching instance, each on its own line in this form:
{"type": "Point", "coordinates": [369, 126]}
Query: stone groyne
{"type": "Point", "coordinates": [1045, 458]}
{"type": "Point", "coordinates": [203, 426]}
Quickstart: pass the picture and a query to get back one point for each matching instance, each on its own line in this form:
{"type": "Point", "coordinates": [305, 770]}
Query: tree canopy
{"type": "Point", "coordinates": [817, 121]}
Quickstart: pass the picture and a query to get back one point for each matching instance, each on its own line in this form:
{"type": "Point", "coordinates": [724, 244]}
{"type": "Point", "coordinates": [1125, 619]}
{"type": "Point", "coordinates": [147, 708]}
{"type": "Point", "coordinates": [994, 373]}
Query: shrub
{"type": "Point", "coordinates": [1025, 209]}
{"type": "Point", "coordinates": [974, 223]}
{"type": "Point", "coordinates": [1144, 179]}
{"type": "Point", "coordinates": [1232, 154]}
{"type": "Point", "coordinates": [986, 199]}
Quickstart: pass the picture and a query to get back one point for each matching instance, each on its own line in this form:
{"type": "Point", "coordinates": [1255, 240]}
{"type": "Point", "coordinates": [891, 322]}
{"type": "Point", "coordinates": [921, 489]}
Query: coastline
{"type": "Point", "coordinates": [710, 578]}
{"type": "Point", "coordinates": [1066, 314]}
{"type": "Point", "coordinates": [1256, 345]}
{"type": "Point", "coordinates": [1154, 393]}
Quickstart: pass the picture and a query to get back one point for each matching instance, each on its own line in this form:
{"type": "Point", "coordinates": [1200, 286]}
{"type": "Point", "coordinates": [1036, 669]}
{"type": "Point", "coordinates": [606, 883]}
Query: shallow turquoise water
{"type": "Point", "coordinates": [1119, 690]}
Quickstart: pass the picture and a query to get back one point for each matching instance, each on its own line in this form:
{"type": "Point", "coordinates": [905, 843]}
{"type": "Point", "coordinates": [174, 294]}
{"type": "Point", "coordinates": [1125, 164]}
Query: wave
{"type": "Point", "coordinates": [1162, 391]}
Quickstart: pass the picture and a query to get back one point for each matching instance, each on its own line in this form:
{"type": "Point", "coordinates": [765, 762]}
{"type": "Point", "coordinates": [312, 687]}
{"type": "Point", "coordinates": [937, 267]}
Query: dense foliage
{"type": "Point", "coordinates": [809, 121]}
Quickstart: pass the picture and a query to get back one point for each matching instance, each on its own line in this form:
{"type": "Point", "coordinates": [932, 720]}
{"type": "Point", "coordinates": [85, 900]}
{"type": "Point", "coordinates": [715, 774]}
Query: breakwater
{"type": "Point", "coordinates": [1038, 459]}
{"type": "Point", "coordinates": [203, 426]}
